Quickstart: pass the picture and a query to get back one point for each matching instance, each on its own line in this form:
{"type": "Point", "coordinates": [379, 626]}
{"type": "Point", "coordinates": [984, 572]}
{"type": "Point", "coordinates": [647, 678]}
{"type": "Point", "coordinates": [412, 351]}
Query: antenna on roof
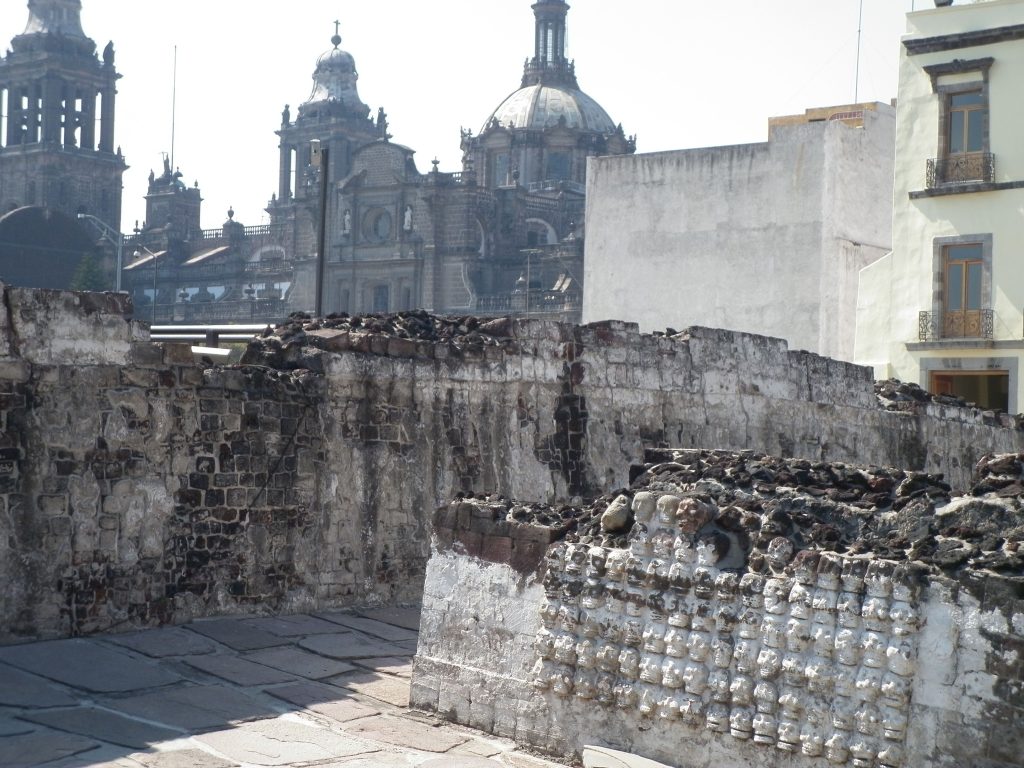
{"type": "Point", "coordinates": [860, 30]}
{"type": "Point", "coordinates": [174, 104]}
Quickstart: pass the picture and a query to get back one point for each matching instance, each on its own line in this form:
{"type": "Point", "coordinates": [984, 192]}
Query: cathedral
{"type": "Point", "coordinates": [354, 226]}
{"type": "Point", "coordinates": [58, 158]}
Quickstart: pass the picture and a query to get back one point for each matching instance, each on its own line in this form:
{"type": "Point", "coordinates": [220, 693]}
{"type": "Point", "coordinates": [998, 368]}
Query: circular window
{"type": "Point", "coordinates": [377, 226]}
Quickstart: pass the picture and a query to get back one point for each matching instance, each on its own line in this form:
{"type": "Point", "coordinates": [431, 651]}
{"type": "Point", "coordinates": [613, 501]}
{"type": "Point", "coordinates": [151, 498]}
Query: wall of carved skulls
{"type": "Point", "coordinates": [698, 645]}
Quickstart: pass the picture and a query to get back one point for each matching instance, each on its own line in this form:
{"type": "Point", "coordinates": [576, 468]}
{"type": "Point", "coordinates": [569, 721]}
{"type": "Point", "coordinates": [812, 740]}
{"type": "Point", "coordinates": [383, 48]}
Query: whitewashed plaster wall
{"type": "Point", "coordinates": [763, 238]}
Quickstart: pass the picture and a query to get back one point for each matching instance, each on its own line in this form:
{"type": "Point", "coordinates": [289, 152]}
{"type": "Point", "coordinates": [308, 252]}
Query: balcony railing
{"type": "Point", "coordinates": [961, 169]}
{"type": "Point", "coordinates": [966, 324]}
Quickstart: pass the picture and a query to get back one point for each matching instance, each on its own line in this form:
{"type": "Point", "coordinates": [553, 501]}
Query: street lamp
{"type": "Point", "coordinates": [138, 255]}
{"type": "Point", "coordinates": [113, 236]}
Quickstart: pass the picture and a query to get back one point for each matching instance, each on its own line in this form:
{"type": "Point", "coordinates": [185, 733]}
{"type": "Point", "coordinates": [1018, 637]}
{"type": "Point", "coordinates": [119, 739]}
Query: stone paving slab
{"type": "Point", "coordinates": [393, 690]}
{"type": "Point", "coordinates": [237, 635]}
{"type": "Point", "coordinates": [408, 618]}
{"type": "Point", "coordinates": [402, 732]}
{"type": "Point", "coordinates": [282, 741]}
{"type": "Point", "coordinates": [299, 662]}
{"type": "Point", "coordinates": [480, 748]}
{"type": "Point", "coordinates": [14, 727]}
{"type": "Point", "coordinates": [369, 626]}
{"type": "Point", "coordinates": [293, 626]}
{"type": "Point", "coordinates": [195, 708]}
{"type": "Point", "coordinates": [239, 671]}
{"type": "Point", "coordinates": [164, 642]}
{"type": "Point", "coordinates": [460, 762]}
{"type": "Point", "coordinates": [20, 689]}
{"type": "Point", "coordinates": [350, 645]}
{"type": "Point", "coordinates": [181, 758]}
{"type": "Point", "coordinates": [41, 747]}
{"type": "Point", "coordinates": [103, 725]}
{"type": "Point", "coordinates": [87, 665]}
{"type": "Point", "coordinates": [392, 665]}
{"type": "Point", "coordinates": [378, 760]}
{"type": "Point", "coordinates": [334, 703]}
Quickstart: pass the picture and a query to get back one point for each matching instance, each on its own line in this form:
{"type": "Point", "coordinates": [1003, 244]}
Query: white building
{"type": "Point", "coordinates": [766, 238]}
{"type": "Point", "coordinates": [944, 309]}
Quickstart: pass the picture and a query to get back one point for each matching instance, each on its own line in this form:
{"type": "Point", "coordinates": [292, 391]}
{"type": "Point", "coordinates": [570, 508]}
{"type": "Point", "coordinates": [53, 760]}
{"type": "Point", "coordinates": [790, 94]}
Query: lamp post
{"type": "Point", "coordinates": [250, 294]}
{"type": "Point", "coordinates": [111, 235]}
{"type": "Point", "coordinates": [137, 255]}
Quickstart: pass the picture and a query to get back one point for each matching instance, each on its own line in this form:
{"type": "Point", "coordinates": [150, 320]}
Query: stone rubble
{"type": "Point", "coordinates": [890, 513]}
{"type": "Point", "coordinates": [737, 601]}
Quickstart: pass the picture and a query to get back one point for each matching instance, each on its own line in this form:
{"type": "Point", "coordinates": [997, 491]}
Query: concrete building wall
{"type": "Point", "coordinates": [763, 238]}
{"type": "Point", "coordinates": [897, 288]}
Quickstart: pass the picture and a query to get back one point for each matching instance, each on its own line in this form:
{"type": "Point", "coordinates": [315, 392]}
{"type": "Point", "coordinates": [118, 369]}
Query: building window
{"type": "Point", "coordinates": [377, 226]}
{"type": "Point", "coordinates": [381, 298]}
{"type": "Point", "coordinates": [962, 314]}
{"type": "Point", "coordinates": [967, 114]}
{"type": "Point", "coordinates": [499, 170]}
{"type": "Point", "coordinates": [558, 166]}
{"type": "Point", "coordinates": [964, 154]}
{"type": "Point", "coordinates": [962, 296]}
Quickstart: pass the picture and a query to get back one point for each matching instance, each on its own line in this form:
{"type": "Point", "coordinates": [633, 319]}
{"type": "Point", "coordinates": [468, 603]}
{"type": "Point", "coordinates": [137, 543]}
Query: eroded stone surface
{"type": "Point", "coordinates": [20, 689]}
{"type": "Point", "coordinates": [350, 645]}
{"type": "Point", "coordinates": [236, 635]}
{"type": "Point", "coordinates": [407, 733]}
{"type": "Point", "coordinates": [87, 665]}
{"type": "Point", "coordinates": [239, 671]}
{"type": "Point", "coordinates": [181, 758]}
{"type": "Point", "coordinates": [300, 662]}
{"type": "Point", "coordinates": [39, 747]}
{"type": "Point", "coordinates": [370, 626]}
{"type": "Point", "coordinates": [282, 742]}
{"type": "Point", "coordinates": [164, 642]}
{"type": "Point", "coordinates": [329, 701]}
{"type": "Point", "coordinates": [104, 726]}
{"type": "Point", "coordinates": [393, 690]}
{"type": "Point", "coordinates": [192, 708]}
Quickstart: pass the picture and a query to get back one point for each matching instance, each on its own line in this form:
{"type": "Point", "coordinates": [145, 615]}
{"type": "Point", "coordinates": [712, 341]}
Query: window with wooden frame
{"type": "Point", "coordinates": [964, 275]}
{"type": "Point", "coordinates": [968, 112]}
{"type": "Point", "coordinates": [964, 154]}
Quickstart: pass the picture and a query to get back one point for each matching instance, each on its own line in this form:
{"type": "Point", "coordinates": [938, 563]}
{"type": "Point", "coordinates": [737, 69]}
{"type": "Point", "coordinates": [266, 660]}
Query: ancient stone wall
{"type": "Point", "coordinates": [138, 487]}
{"type": "Point", "coordinates": [759, 612]}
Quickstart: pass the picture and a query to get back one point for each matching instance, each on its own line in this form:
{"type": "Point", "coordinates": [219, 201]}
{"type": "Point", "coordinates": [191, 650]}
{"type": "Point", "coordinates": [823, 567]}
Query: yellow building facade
{"type": "Point", "coordinates": [945, 309]}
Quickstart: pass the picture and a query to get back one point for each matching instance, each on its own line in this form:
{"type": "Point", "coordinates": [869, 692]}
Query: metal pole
{"type": "Point", "coordinates": [120, 261]}
{"type": "Point", "coordinates": [156, 264]}
{"type": "Point", "coordinates": [321, 258]}
{"type": "Point", "coordinates": [860, 30]}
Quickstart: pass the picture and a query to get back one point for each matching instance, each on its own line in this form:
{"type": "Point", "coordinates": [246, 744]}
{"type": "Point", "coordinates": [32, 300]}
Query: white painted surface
{"type": "Point", "coordinates": [762, 238]}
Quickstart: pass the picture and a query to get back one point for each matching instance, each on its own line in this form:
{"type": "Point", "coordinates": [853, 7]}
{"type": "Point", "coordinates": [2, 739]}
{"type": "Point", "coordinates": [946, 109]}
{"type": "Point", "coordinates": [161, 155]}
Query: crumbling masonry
{"type": "Point", "coordinates": [139, 488]}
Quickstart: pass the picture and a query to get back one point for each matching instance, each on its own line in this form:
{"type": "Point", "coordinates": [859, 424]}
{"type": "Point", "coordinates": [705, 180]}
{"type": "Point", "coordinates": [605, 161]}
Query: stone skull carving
{"type": "Point", "coordinates": [693, 514]}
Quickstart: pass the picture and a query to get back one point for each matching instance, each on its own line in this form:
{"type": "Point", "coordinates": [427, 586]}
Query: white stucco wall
{"type": "Point", "coordinates": [894, 290]}
{"type": "Point", "coordinates": [765, 238]}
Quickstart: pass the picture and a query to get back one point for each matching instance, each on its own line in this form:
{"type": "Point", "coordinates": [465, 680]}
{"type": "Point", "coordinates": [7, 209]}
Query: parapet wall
{"type": "Point", "coordinates": [138, 487]}
{"type": "Point", "coordinates": [758, 612]}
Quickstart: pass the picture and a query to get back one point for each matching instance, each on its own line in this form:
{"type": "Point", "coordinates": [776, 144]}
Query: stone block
{"type": "Point", "coordinates": [178, 354]}
{"type": "Point", "coordinates": [14, 370]}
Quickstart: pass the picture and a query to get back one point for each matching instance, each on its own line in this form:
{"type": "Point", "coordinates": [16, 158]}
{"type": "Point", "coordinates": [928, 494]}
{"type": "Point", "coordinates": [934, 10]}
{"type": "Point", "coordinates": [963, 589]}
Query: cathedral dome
{"type": "Point", "coordinates": [540, 106]}
{"type": "Point", "coordinates": [335, 77]}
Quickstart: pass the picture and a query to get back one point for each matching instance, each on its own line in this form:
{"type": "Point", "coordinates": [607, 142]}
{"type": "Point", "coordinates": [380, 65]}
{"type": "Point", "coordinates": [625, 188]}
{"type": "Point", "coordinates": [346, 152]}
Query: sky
{"type": "Point", "coordinates": [676, 73]}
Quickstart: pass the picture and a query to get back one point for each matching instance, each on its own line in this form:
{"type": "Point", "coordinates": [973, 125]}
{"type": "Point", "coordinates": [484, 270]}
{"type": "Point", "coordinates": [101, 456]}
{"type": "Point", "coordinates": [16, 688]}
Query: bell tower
{"type": "Point", "coordinates": [57, 146]}
{"type": "Point", "coordinates": [549, 65]}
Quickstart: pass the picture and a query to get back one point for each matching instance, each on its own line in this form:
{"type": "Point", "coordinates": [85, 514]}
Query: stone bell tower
{"type": "Point", "coordinates": [57, 147]}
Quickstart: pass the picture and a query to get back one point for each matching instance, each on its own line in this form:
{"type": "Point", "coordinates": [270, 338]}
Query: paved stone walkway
{"type": "Point", "coordinates": [331, 689]}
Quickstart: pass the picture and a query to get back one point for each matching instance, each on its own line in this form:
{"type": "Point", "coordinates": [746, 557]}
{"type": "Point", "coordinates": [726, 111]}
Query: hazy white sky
{"type": "Point", "coordinates": [678, 73]}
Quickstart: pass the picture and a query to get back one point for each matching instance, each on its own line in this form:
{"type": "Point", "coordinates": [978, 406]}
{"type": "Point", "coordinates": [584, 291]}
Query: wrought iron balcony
{"type": "Point", "coordinates": [966, 324]}
{"type": "Point", "coordinates": [977, 167]}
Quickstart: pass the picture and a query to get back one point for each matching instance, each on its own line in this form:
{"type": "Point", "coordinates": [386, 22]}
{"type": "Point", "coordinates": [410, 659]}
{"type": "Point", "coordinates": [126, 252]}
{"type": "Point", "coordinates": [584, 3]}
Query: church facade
{"type": "Point", "coordinates": [504, 235]}
{"type": "Point", "coordinates": [58, 157]}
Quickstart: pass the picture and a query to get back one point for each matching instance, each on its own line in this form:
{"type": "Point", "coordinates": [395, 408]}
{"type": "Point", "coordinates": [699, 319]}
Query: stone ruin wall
{"type": "Point", "coordinates": [729, 636]}
{"type": "Point", "coordinates": [139, 488]}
